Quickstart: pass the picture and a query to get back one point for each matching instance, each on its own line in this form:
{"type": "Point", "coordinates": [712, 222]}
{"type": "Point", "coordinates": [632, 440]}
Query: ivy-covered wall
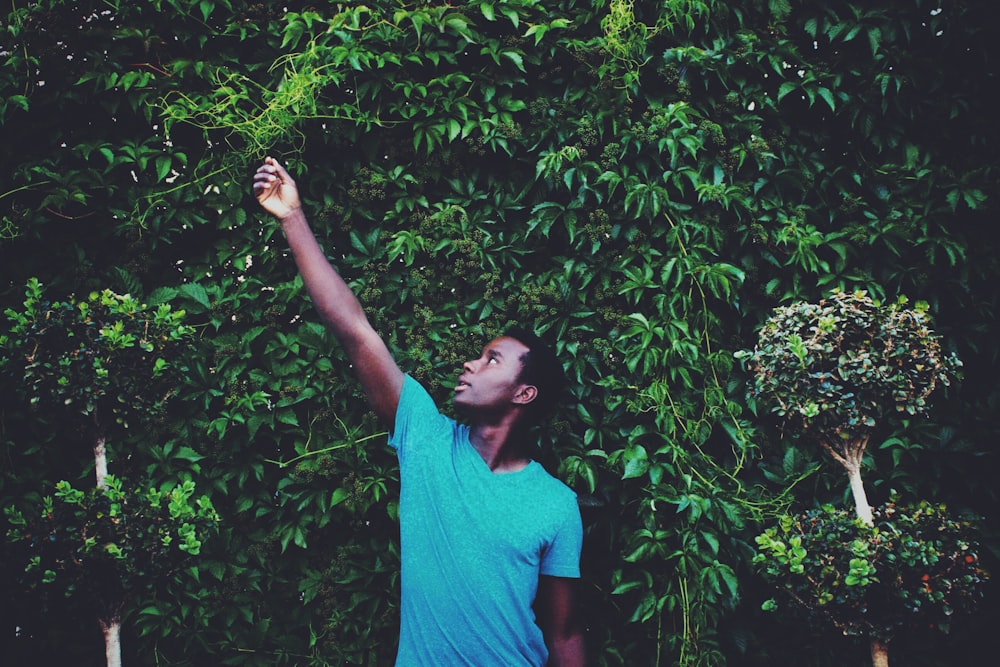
{"type": "Point", "coordinates": [641, 181]}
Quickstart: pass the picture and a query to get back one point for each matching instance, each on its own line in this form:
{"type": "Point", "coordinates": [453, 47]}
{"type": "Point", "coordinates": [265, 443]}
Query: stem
{"type": "Point", "coordinates": [101, 461]}
{"type": "Point", "coordinates": [24, 187]}
{"type": "Point", "coordinates": [686, 635]}
{"type": "Point", "coordinates": [659, 638]}
{"type": "Point", "coordinates": [283, 464]}
{"type": "Point", "coordinates": [850, 457]}
{"type": "Point", "coordinates": [860, 497]}
{"type": "Point", "coordinates": [112, 629]}
{"type": "Point", "coordinates": [880, 653]}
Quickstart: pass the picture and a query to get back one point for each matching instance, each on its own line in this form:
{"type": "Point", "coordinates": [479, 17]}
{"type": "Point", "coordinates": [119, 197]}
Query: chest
{"type": "Point", "coordinates": [457, 505]}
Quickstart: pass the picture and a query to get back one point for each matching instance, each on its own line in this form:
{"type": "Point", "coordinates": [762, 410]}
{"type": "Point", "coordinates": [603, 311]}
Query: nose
{"type": "Point", "coordinates": [468, 367]}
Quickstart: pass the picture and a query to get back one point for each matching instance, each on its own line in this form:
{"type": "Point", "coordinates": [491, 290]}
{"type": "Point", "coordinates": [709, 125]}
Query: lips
{"type": "Point", "coordinates": [462, 384]}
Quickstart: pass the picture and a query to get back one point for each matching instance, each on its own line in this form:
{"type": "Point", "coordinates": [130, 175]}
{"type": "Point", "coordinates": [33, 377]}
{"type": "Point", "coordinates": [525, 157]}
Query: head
{"type": "Point", "coordinates": [541, 369]}
{"type": "Point", "coordinates": [516, 371]}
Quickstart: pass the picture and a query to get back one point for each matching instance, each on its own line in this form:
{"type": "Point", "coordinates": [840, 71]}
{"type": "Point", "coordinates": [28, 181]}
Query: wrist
{"type": "Point", "coordinates": [293, 215]}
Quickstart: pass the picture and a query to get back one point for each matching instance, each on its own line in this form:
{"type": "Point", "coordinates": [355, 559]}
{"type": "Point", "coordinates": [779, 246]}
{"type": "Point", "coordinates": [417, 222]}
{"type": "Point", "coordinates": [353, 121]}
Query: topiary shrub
{"type": "Point", "coordinates": [100, 363]}
{"type": "Point", "coordinates": [833, 371]}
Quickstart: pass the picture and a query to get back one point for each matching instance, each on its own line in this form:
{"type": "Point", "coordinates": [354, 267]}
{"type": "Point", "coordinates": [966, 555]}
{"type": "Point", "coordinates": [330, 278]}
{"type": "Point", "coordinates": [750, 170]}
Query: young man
{"type": "Point", "coordinates": [490, 542]}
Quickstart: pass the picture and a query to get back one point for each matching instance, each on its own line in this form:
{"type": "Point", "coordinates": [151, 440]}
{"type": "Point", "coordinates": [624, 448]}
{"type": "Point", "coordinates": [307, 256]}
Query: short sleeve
{"type": "Point", "coordinates": [562, 557]}
{"type": "Point", "coordinates": [415, 414]}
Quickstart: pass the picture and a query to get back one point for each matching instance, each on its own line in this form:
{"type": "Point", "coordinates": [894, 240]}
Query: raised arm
{"type": "Point", "coordinates": [338, 307]}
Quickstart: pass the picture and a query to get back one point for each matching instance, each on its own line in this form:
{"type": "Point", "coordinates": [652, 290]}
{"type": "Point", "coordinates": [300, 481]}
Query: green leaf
{"type": "Point", "coordinates": [515, 58]}
{"type": "Point", "coordinates": [827, 97]}
{"type": "Point", "coordinates": [197, 292]}
{"type": "Point", "coordinates": [785, 88]}
{"type": "Point", "coordinates": [636, 461]}
{"type": "Point", "coordinates": [339, 495]}
{"type": "Point", "coordinates": [712, 541]}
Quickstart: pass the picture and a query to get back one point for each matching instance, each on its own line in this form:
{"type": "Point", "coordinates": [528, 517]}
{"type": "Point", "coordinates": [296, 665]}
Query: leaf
{"type": "Point", "coordinates": [780, 9]}
{"type": "Point", "coordinates": [511, 15]}
{"type": "Point", "coordinates": [287, 417]}
{"type": "Point", "coordinates": [827, 97]}
{"type": "Point", "coordinates": [339, 495]}
{"type": "Point", "coordinates": [188, 454]}
{"type": "Point", "coordinates": [19, 100]}
{"type": "Point", "coordinates": [785, 88]}
{"type": "Point", "coordinates": [514, 57]}
{"type": "Point", "coordinates": [636, 461]}
{"type": "Point", "coordinates": [454, 129]}
{"type": "Point", "coordinates": [874, 39]}
{"type": "Point", "coordinates": [712, 541]}
{"type": "Point", "coordinates": [538, 30]}
{"type": "Point", "coordinates": [197, 292]}
{"type": "Point", "coordinates": [729, 577]}
{"type": "Point", "coordinates": [162, 167]}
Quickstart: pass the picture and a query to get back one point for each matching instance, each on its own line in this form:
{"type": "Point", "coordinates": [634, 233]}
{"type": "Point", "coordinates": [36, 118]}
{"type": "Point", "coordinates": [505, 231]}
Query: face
{"type": "Point", "coordinates": [489, 383]}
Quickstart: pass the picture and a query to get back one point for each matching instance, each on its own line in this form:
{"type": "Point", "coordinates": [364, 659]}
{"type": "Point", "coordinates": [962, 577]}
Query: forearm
{"type": "Point", "coordinates": [337, 306]}
{"type": "Point", "coordinates": [342, 312]}
{"type": "Point", "coordinates": [333, 299]}
{"type": "Point", "coordinates": [567, 651]}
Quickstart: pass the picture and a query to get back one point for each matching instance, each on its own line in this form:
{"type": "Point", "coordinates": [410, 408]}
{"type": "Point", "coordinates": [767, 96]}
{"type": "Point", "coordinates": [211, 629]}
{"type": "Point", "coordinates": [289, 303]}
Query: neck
{"type": "Point", "coordinates": [500, 446]}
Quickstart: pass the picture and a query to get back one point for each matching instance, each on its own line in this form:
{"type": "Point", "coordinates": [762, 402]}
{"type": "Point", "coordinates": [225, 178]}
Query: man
{"type": "Point", "coordinates": [490, 542]}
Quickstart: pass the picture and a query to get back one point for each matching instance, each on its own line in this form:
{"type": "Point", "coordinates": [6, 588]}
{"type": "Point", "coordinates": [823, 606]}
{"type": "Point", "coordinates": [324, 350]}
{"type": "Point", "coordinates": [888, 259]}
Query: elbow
{"type": "Point", "coordinates": [351, 328]}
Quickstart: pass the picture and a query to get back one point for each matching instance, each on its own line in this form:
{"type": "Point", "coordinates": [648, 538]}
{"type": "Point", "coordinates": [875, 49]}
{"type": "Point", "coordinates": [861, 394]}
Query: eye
{"type": "Point", "coordinates": [492, 360]}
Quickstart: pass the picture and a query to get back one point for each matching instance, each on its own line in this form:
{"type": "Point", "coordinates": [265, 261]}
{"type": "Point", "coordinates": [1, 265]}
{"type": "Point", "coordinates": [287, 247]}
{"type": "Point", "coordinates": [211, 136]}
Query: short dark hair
{"type": "Point", "coordinates": [541, 368]}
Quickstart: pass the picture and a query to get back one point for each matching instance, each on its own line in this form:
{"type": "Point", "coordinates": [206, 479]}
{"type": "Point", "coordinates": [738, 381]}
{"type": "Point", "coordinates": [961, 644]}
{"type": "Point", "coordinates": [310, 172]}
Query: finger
{"type": "Point", "coordinates": [264, 182]}
{"type": "Point", "coordinates": [279, 169]}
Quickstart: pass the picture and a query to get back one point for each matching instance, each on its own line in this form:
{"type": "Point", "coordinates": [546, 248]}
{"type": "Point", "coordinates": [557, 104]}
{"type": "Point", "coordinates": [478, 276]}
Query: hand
{"type": "Point", "coordinates": [275, 190]}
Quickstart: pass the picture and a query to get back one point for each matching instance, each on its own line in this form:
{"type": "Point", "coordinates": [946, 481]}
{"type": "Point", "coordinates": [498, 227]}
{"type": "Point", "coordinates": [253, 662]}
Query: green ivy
{"type": "Point", "coordinates": [643, 182]}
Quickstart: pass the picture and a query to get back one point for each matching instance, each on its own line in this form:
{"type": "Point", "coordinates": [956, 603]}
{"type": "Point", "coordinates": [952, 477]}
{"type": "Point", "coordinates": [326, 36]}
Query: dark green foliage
{"type": "Point", "coordinates": [103, 546]}
{"type": "Point", "coordinates": [835, 369]}
{"type": "Point", "coordinates": [917, 567]}
{"type": "Point", "coordinates": [643, 181]}
{"type": "Point", "coordinates": [102, 358]}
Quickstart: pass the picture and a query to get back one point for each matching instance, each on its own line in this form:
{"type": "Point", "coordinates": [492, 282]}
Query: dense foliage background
{"type": "Point", "coordinates": [644, 181]}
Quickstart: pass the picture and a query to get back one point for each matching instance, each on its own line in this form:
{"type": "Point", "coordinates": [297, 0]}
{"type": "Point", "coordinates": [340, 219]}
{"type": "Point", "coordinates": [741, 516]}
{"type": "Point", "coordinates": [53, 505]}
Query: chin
{"type": "Point", "coordinates": [463, 408]}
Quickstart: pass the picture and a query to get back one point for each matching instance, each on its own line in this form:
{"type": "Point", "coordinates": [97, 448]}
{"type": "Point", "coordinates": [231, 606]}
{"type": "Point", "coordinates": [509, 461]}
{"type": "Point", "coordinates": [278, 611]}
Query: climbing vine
{"type": "Point", "coordinates": [643, 183]}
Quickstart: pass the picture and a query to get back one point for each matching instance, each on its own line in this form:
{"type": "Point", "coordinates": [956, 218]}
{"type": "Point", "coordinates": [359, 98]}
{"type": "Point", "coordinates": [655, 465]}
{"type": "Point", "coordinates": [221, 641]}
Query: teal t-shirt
{"type": "Point", "coordinates": [473, 545]}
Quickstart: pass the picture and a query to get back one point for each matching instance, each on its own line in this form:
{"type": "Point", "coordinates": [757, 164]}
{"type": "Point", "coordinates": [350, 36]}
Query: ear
{"type": "Point", "coordinates": [526, 393]}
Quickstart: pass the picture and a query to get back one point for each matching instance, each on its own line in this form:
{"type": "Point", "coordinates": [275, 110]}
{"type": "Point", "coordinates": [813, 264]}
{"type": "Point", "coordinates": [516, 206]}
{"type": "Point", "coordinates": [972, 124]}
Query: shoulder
{"type": "Point", "coordinates": [417, 415]}
{"type": "Point", "coordinates": [413, 392]}
{"type": "Point", "coordinates": [414, 399]}
{"type": "Point", "coordinates": [553, 493]}
{"type": "Point", "coordinates": [551, 483]}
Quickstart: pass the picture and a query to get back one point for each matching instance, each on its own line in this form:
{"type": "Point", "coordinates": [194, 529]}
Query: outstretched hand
{"type": "Point", "coordinates": [275, 190]}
